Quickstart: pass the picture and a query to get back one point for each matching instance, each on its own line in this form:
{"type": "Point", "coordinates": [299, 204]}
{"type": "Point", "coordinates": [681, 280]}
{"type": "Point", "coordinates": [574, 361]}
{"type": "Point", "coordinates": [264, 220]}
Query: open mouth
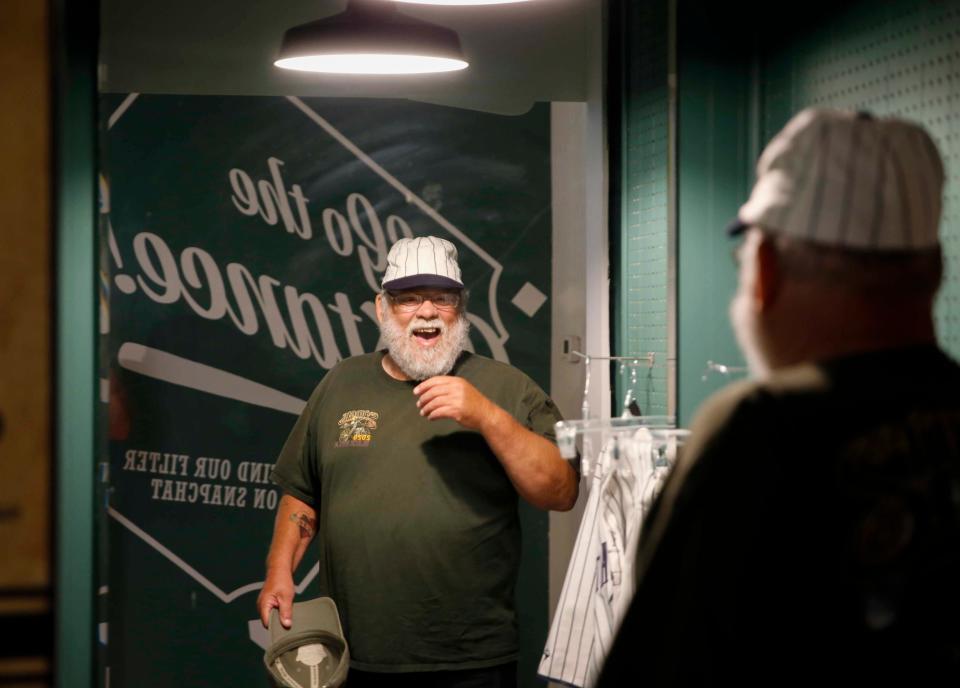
{"type": "Point", "coordinates": [426, 335]}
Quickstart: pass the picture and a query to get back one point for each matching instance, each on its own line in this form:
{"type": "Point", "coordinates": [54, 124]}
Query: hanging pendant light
{"type": "Point", "coordinates": [371, 37]}
{"type": "Point", "coordinates": [460, 2]}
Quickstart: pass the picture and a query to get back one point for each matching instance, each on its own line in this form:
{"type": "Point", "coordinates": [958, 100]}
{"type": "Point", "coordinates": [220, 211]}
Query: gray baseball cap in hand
{"type": "Point", "coordinates": [313, 652]}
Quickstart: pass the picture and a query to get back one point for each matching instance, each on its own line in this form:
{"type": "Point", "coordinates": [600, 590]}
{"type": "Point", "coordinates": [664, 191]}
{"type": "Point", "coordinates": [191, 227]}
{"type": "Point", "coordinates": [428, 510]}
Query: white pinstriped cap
{"type": "Point", "coordinates": [848, 179]}
{"type": "Point", "coordinates": [422, 262]}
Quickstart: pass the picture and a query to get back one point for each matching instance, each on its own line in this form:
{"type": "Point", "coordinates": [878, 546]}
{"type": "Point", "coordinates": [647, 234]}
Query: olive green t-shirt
{"type": "Point", "coordinates": [418, 528]}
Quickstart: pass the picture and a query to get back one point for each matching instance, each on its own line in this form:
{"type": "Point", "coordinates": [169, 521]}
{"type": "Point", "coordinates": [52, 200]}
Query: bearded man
{"type": "Point", "coordinates": [407, 464]}
{"type": "Point", "coordinates": [810, 532]}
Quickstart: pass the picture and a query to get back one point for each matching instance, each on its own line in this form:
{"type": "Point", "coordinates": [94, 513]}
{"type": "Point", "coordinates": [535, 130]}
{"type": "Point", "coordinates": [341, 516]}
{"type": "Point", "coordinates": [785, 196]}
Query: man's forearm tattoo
{"type": "Point", "coordinates": [308, 526]}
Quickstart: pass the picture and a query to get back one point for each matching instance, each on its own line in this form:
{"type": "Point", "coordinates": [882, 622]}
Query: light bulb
{"type": "Point", "coordinates": [371, 63]}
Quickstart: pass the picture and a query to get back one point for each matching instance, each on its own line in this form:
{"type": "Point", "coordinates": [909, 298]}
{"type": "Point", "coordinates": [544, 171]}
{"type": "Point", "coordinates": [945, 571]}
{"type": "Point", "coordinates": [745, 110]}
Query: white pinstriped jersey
{"type": "Point", "coordinates": [567, 651]}
{"type": "Point", "coordinates": [621, 515]}
{"type": "Point", "coordinates": [600, 581]}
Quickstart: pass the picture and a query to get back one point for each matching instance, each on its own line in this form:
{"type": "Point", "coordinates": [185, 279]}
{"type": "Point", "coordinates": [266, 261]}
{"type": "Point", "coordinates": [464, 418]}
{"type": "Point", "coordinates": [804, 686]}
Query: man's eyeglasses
{"type": "Point", "coordinates": [411, 300]}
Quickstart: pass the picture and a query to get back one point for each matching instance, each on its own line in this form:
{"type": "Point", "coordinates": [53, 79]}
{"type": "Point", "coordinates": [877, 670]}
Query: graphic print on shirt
{"type": "Point", "coordinates": [357, 428]}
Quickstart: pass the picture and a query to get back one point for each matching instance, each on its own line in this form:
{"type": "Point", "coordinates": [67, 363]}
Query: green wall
{"type": "Point", "coordinates": [898, 58]}
{"type": "Point", "coordinates": [641, 236]}
{"type": "Point", "coordinates": [742, 72]}
{"type": "Point", "coordinates": [682, 167]}
{"type": "Point", "coordinates": [715, 119]}
{"type": "Point", "coordinates": [74, 127]}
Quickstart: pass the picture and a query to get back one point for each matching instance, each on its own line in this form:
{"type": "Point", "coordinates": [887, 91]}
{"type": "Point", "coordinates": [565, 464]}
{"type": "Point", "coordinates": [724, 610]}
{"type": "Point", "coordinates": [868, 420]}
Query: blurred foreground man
{"type": "Point", "coordinates": [810, 533]}
{"type": "Point", "coordinates": [407, 464]}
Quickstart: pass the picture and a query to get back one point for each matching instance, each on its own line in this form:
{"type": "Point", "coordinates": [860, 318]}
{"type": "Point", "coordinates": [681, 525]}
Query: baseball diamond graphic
{"type": "Point", "coordinates": [178, 370]}
{"type": "Point", "coordinates": [226, 293]}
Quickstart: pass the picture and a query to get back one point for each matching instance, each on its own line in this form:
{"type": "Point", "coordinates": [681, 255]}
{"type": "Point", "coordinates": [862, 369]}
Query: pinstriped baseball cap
{"type": "Point", "coordinates": [848, 179]}
{"type": "Point", "coordinates": [422, 262]}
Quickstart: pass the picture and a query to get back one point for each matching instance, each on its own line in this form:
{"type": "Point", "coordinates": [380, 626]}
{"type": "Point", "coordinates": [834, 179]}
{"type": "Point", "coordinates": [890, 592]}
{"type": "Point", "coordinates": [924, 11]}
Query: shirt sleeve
{"type": "Point", "coordinates": [537, 412]}
{"type": "Point", "coordinates": [297, 470]}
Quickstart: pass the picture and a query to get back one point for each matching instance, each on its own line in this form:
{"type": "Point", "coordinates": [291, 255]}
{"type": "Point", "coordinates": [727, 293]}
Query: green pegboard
{"type": "Point", "coordinates": [642, 320]}
{"type": "Point", "coordinates": [740, 78]}
{"type": "Point", "coordinates": [898, 58]}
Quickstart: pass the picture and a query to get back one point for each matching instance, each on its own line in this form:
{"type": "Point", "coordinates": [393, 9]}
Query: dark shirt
{"type": "Point", "coordinates": [419, 534]}
{"type": "Point", "coordinates": [809, 534]}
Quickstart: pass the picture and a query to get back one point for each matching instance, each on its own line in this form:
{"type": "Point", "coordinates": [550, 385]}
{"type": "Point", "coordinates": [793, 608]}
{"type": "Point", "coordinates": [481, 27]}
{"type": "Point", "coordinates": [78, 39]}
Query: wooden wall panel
{"type": "Point", "coordinates": [25, 310]}
{"type": "Point", "coordinates": [25, 337]}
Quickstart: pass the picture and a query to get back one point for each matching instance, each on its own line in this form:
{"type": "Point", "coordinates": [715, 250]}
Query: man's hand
{"type": "Point", "coordinates": [532, 462]}
{"type": "Point", "coordinates": [277, 592]}
{"type": "Point", "coordinates": [293, 529]}
{"type": "Point", "coordinates": [454, 398]}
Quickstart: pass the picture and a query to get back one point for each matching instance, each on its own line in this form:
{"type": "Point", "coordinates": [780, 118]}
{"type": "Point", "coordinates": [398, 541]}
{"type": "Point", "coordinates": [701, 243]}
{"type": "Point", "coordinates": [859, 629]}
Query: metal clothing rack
{"type": "Point", "coordinates": [568, 431]}
{"type": "Point", "coordinates": [666, 439]}
{"type": "Point", "coordinates": [578, 434]}
{"type": "Point", "coordinates": [721, 369]}
{"type": "Point", "coordinates": [647, 360]}
{"type": "Point", "coordinates": [571, 433]}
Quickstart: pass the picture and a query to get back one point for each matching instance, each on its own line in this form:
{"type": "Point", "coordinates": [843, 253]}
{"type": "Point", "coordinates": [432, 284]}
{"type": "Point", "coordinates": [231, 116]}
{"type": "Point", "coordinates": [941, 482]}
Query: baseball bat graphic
{"type": "Point", "coordinates": [182, 371]}
{"type": "Point", "coordinates": [226, 597]}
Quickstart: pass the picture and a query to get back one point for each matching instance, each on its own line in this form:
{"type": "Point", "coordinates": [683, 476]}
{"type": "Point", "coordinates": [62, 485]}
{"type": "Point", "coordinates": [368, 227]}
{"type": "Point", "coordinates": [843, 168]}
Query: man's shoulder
{"type": "Point", "coordinates": [472, 364]}
{"type": "Point", "coordinates": [784, 387]}
{"type": "Point", "coordinates": [746, 429]}
{"type": "Point", "coordinates": [343, 370]}
{"type": "Point", "coordinates": [501, 382]}
{"type": "Point", "coordinates": [352, 363]}
{"type": "Point", "coordinates": [359, 360]}
{"type": "Point", "coordinates": [754, 412]}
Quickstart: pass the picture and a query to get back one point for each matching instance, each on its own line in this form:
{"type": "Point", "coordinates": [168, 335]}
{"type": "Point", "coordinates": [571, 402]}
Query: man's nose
{"type": "Point", "coordinates": [427, 309]}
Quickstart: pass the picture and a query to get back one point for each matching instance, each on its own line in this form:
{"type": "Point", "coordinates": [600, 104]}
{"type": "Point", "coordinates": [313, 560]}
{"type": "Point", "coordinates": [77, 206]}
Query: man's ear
{"type": "Point", "coordinates": [767, 285]}
{"type": "Point", "coordinates": [378, 301]}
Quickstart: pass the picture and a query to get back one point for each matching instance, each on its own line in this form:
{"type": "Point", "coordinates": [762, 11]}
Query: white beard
{"type": "Point", "coordinates": [417, 362]}
{"type": "Point", "coordinates": [749, 335]}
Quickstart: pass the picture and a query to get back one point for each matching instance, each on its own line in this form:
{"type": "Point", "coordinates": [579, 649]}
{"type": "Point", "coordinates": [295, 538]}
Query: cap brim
{"type": "Point", "coordinates": [319, 614]}
{"type": "Point", "coordinates": [736, 227]}
{"type": "Point", "coordinates": [414, 281]}
{"type": "Point", "coordinates": [314, 621]}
